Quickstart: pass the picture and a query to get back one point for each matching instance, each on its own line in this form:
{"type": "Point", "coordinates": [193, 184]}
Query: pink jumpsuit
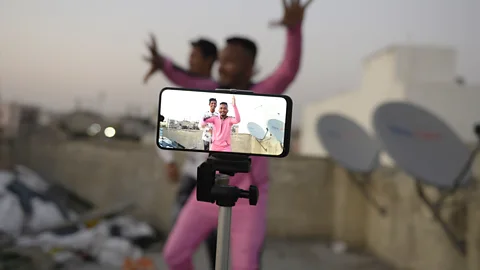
{"type": "Point", "coordinates": [197, 219]}
{"type": "Point", "coordinates": [222, 135]}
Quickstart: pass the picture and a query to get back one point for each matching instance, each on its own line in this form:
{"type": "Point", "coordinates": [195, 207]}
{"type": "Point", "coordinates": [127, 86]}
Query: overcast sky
{"type": "Point", "coordinates": [53, 51]}
{"type": "Point", "coordinates": [177, 105]}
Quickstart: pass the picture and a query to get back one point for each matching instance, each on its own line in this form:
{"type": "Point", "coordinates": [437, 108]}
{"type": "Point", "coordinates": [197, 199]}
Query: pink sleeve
{"type": "Point", "coordinates": [183, 79]}
{"type": "Point", "coordinates": [236, 119]}
{"type": "Point", "coordinates": [211, 120]}
{"type": "Point", "coordinates": [278, 82]}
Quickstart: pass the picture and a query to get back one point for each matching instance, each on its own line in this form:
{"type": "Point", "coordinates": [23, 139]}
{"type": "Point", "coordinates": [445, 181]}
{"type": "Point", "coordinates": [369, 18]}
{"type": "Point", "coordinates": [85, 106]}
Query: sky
{"type": "Point", "coordinates": [191, 106]}
{"type": "Point", "coordinates": [57, 53]}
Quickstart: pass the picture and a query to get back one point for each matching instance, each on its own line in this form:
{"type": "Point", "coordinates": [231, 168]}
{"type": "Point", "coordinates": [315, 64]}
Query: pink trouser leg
{"type": "Point", "coordinates": [192, 227]}
{"type": "Point", "coordinates": [247, 235]}
{"type": "Point", "coordinates": [197, 220]}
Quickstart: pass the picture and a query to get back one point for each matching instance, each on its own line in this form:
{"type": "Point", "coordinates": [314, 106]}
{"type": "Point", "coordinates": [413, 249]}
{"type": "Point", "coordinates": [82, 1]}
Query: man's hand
{"type": "Point", "coordinates": [292, 13]}
{"type": "Point", "coordinates": [155, 59]}
{"type": "Point", "coordinates": [172, 172]}
{"type": "Point", "coordinates": [233, 100]}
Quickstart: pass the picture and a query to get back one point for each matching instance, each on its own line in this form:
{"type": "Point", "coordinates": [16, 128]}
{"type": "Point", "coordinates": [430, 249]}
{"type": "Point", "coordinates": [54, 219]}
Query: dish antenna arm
{"type": "Point", "coordinates": [461, 176]}
{"type": "Point", "coordinates": [214, 188]}
{"type": "Point", "coordinates": [260, 143]}
{"type": "Point", "coordinates": [459, 244]}
{"type": "Point", "coordinates": [436, 207]}
{"type": "Point", "coordinates": [361, 181]}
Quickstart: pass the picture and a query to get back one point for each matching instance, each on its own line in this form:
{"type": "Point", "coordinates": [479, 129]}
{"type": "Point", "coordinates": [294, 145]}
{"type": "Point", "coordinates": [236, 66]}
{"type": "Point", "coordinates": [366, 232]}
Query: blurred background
{"type": "Point", "coordinates": [71, 74]}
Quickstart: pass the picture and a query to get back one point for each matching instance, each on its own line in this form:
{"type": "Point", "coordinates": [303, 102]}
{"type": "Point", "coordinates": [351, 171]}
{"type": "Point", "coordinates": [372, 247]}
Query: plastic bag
{"type": "Point", "coordinates": [11, 215]}
{"type": "Point", "coordinates": [45, 215]}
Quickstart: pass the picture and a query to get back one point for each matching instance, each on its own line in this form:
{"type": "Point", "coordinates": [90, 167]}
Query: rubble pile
{"type": "Point", "coordinates": [32, 215]}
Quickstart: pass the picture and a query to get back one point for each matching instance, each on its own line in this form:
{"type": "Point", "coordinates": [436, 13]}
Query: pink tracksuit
{"type": "Point", "coordinates": [222, 131]}
{"type": "Point", "coordinates": [197, 219]}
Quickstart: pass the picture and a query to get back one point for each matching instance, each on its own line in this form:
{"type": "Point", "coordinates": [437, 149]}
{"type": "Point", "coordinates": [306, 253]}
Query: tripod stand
{"type": "Point", "coordinates": [214, 188]}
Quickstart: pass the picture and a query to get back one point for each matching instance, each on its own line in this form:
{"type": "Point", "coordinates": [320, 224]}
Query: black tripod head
{"type": "Point", "coordinates": [223, 195]}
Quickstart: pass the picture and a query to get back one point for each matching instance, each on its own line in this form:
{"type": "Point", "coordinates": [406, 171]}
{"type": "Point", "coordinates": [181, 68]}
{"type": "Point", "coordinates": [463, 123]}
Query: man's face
{"type": "Point", "coordinates": [235, 67]}
{"type": "Point", "coordinates": [196, 61]}
{"type": "Point", "coordinates": [213, 105]}
{"type": "Point", "coordinates": [223, 110]}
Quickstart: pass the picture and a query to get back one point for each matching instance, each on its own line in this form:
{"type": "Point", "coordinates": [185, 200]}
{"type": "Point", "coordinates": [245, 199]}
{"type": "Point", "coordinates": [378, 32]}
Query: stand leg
{"type": "Point", "coordinates": [223, 238]}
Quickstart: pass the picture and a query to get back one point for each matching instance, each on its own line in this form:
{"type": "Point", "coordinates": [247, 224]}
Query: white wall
{"type": "Point", "coordinates": [421, 74]}
{"type": "Point", "coordinates": [423, 64]}
{"type": "Point", "coordinates": [379, 71]}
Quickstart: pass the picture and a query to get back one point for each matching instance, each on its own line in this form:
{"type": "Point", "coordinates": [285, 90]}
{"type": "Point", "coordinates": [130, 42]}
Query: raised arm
{"type": "Point", "coordinates": [183, 78]}
{"type": "Point", "coordinates": [292, 20]}
{"type": "Point", "coordinates": [202, 124]}
{"type": "Point", "coordinates": [210, 120]}
{"type": "Point", "coordinates": [174, 73]}
{"type": "Point", "coordinates": [237, 118]}
{"type": "Point", "coordinates": [279, 80]}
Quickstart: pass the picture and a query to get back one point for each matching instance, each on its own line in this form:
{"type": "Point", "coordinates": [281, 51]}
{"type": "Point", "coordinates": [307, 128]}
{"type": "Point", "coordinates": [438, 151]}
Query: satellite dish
{"type": "Point", "coordinates": [352, 147]}
{"type": "Point", "coordinates": [256, 130]}
{"type": "Point", "coordinates": [422, 145]}
{"type": "Point", "coordinates": [430, 151]}
{"type": "Point", "coordinates": [277, 128]}
{"type": "Point", "coordinates": [348, 143]}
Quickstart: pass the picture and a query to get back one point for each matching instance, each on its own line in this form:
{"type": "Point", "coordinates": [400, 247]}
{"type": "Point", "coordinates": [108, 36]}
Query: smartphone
{"type": "Point", "coordinates": [218, 121]}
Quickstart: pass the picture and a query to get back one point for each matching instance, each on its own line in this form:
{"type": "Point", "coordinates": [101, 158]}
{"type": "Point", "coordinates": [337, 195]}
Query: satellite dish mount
{"type": "Point", "coordinates": [362, 181]}
{"type": "Point", "coordinates": [257, 132]}
{"type": "Point", "coordinates": [426, 148]}
{"type": "Point", "coordinates": [436, 206]}
{"type": "Point", "coordinates": [351, 147]}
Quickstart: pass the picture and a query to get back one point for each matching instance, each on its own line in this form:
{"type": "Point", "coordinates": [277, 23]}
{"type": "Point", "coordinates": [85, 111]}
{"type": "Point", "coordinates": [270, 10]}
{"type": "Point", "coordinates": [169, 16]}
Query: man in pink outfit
{"type": "Point", "coordinates": [222, 127]}
{"type": "Point", "coordinates": [236, 69]}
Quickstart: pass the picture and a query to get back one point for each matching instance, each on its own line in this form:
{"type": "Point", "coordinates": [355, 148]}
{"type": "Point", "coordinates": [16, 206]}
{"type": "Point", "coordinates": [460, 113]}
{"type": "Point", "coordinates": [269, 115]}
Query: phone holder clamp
{"type": "Point", "coordinates": [214, 188]}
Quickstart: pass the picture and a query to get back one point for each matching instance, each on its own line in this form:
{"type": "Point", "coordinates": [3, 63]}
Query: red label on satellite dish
{"type": "Point", "coordinates": [425, 135]}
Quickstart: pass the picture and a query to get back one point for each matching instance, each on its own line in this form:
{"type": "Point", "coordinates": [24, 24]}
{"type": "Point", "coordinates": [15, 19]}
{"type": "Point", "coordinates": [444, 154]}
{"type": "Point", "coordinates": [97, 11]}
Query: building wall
{"type": "Point", "coordinates": [107, 173]}
{"type": "Point", "coordinates": [419, 74]}
{"type": "Point", "coordinates": [425, 64]}
{"type": "Point", "coordinates": [308, 198]}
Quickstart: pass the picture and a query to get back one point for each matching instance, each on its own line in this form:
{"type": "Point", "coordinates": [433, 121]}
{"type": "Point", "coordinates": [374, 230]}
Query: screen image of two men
{"type": "Point", "coordinates": [221, 126]}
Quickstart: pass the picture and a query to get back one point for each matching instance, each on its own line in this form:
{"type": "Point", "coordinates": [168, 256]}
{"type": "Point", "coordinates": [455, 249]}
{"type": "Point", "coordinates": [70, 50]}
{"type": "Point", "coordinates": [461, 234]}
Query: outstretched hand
{"type": "Point", "coordinates": [233, 101]}
{"type": "Point", "coordinates": [155, 59]}
{"type": "Point", "coordinates": [292, 13]}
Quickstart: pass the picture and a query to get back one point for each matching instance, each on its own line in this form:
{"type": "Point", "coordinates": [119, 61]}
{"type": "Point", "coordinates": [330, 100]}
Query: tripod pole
{"type": "Point", "coordinates": [223, 231]}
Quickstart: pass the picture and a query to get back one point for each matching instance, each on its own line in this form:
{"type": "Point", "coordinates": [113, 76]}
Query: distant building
{"type": "Point", "coordinates": [424, 75]}
{"type": "Point", "coordinates": [186, 124]}
{"type": "Point", "coordinates": [80, 123]}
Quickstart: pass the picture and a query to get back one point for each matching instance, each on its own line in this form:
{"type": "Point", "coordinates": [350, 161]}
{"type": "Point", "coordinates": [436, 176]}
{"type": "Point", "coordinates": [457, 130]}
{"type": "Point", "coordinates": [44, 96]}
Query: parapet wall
{"type": "Point", "coordinates": [244, 143]}
{"type": "Point", "coordinates": [308, 198]}
{"type": "Point", "coordinates": [105, 173]}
